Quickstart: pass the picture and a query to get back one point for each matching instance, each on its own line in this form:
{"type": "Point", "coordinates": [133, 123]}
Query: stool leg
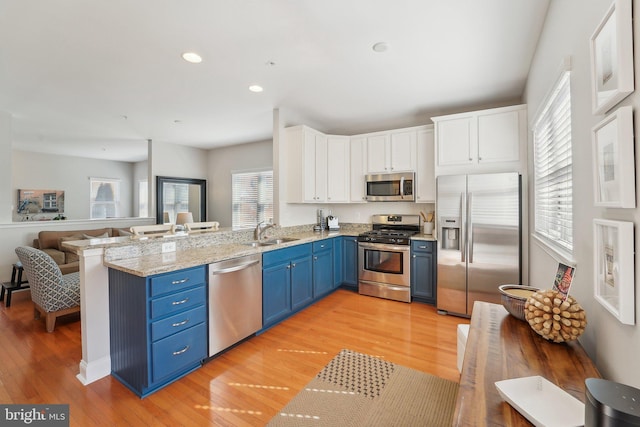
{"type": "Point", "coordinates": [8, 303]}
{"type": "Point", "coordinates": [2, 294]}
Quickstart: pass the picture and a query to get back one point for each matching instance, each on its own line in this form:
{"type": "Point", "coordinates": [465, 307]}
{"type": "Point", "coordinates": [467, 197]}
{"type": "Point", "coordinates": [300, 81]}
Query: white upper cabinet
{"type": "Point", "coordinates": [338, 179]}
{"type": "Point", "coordinates": [499, 137]}
{"type": "Point", "coordinates": [481, 141]}
{"type": "Point", "coordinates": [456, 141]}
{"type": "Point", "coordinates": [317, 166]}
{"type": "Point", "coordinates": [425, 174]}
{"type": "Point", "coordinates": [378, 155]}
{"type": "Point", "coordinates": [403, 150]}
{"type": "Point", "coordinates": [393, 151]}
{"type": "Point", "coordinates": [358, 168]}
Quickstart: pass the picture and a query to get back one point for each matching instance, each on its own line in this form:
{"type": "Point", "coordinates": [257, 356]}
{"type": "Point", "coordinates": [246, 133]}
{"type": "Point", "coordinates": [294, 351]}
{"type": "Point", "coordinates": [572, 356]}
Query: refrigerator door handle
{"type": "Point", "coordinates": [463, 227]}
{"type": "Point", "coordinates": [470, 225]}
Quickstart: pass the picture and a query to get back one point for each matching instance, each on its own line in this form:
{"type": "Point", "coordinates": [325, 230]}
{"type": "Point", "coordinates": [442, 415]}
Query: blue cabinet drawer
{"type": "Point", "coordinates": [422, 246]}
{"type": "Point", "coordinates": [178, 301]}
{"type": "Point", "coordinates": [172, 282]}
{"type": "Point", "coordinates": [178, 323]}
{"type": "Point", "coordinates": [178, 352]}
{"type": "Point", "coordinates": [323, 245]}
{"type": "Point", "coordinates": [285, 255]}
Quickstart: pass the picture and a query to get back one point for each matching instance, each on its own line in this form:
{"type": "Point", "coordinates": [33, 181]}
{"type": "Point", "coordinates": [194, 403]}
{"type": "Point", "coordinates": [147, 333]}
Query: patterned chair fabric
{"type": "Point", "coordinates": [50, 289]}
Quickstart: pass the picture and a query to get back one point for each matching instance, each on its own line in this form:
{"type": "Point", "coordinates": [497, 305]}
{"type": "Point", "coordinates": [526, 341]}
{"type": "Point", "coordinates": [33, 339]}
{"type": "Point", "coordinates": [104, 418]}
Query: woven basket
{"type": "Point", "coordinates": [513, 303]}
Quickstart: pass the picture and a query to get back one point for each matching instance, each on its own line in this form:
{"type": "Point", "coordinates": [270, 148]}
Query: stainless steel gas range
{"type": "Point", "coordinates": [384, 257]}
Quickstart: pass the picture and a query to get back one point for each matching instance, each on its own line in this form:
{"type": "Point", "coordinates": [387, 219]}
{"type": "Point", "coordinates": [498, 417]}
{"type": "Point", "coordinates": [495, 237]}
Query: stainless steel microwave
{"type": "Point", "coordinates": [390, 187]}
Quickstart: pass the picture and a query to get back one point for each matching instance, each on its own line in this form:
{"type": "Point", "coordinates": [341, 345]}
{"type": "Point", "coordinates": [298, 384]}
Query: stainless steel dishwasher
{"type": "Point", "coordinates": [235, 301]}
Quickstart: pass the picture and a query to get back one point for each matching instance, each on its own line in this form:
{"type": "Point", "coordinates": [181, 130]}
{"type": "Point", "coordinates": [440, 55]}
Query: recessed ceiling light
{"type": "Point", "coordinates": [380, 47]}
{"type": "Point", "coordinates": [255, 88]}
{"type": "Point", "coordinates": [192, 57]}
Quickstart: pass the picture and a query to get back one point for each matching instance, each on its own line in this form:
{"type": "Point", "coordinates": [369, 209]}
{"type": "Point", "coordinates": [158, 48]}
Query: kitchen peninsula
{"type": "Point", "coordinates": [144, 257]}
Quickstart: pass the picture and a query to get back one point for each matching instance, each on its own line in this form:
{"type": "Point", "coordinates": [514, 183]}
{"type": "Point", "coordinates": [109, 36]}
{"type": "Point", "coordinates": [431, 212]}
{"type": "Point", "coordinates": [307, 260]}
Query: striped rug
{"type": "Point", "coordinates": [355, 389]}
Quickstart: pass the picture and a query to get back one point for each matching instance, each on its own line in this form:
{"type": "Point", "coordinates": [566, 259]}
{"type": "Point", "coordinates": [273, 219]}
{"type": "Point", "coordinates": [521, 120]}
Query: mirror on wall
{"type": "Point", "coordinates": [178, 195]}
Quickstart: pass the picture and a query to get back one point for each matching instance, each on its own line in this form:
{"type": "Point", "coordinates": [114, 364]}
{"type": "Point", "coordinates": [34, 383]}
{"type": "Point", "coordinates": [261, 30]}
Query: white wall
{"type": "Point", "coordinates": [223, 162]}
{"type": "Point", "coordinates": [612, 346]}
{"type": "Point", "coordinates": [140, 173]}
{"type": "Point", "coordinates": [177, 161]}
{"type": "Point", "coordinates": [70, 174]}
{"type": "Point", "coordinates": [6, 153]}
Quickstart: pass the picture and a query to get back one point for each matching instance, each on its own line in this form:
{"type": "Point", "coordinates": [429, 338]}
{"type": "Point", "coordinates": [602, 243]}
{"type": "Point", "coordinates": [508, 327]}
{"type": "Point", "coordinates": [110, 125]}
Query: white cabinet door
{"type": "Point", "coordinates": [358, 169]}
{"type": "Point", "coordinates": [498, 137]}
{"type": "Point", "coordinates": [425, 173]}
{"type": "Point", "coordinates": [403, 150]}
{"type": "Point", "coordinates": [378, 156]}
{"type": "Point", "coordinates": [308, 175]}
{"type": "Point", "coordinates": [456, 141]}
{"type": "Point", "coordinates": [320, 168]}
{"type": "Point", "coordinates": [338, 180]}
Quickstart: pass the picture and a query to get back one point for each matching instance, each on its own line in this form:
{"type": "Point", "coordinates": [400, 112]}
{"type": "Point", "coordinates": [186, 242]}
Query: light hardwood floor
{"type": "Point", "coordinates": [246, 386]}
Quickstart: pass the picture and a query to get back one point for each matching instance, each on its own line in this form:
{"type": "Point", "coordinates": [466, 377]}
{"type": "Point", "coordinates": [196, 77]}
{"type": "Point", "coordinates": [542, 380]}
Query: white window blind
{"type": "Point", "coordinates": [252, 198]}
{"type": "Point", "coordinates": [553, 168]}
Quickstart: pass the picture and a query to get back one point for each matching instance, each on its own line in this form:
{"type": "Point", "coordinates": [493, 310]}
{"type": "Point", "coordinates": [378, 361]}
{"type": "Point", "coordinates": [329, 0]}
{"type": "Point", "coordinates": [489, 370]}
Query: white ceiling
{"type": "Point", "coordinates": [99, 77]}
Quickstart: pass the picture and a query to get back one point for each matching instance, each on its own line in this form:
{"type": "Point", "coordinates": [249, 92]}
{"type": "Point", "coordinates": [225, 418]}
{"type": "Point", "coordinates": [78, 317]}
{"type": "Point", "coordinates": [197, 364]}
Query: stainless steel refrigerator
{"type": "Point", "coordinates": [479, 238]}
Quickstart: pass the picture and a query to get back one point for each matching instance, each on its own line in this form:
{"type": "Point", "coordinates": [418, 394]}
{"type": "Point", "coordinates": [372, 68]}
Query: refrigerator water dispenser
{"type": "Point", "coordinates": [450, 233]}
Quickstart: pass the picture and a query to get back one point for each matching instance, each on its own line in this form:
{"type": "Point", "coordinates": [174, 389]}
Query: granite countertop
{"type": "Point", "coordinates": [147, 265]}
{"type": "Point", "coordinates": [134, 256]}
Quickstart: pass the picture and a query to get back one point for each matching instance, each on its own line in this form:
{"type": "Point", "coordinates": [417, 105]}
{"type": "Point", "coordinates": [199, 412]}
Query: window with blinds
{"type": "Point", "coordinates": [104, 198]}
{"type": "Point", "coordinates": [252, 198]}
{"type": "Point", "coordinates": [553, 168]}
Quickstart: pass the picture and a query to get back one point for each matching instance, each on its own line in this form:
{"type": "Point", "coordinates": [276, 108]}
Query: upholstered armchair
{"type": "Point", "coordinates": [53, 294]}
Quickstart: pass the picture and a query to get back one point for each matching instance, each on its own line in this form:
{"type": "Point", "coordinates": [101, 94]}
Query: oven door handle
{"type": "Point", "coordinates": [384, 246]}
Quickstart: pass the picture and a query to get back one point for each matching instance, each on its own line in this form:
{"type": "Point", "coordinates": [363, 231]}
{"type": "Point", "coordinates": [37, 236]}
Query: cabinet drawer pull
{"type": "Point", "coordinates": [176, 353]}
{"type": "Point", "coordinates": [184, 322]}
{"type": "Point", "coordinates": [180, 302]}
{"type": "Point", "coordinates": [422, 247]}
{"type": "Point", "coordinates": [180, 282]}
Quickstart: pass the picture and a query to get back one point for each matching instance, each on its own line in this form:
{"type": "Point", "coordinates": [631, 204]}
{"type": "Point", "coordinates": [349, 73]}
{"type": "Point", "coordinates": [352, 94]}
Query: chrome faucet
{"type": "Point", "coordinates": [261, 228]}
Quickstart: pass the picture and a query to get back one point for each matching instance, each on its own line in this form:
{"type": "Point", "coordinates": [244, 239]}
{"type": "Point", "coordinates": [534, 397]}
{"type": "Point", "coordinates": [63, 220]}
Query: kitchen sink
{"type": "Point", "coordinates": [270, 242]}
{"type": "Point", "coordinates": [280, 240]}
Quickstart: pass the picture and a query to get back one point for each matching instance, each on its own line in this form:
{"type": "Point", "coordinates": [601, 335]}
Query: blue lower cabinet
{"type": "Point", "coordinates": [301, 283]}
{"type": "Point", "coordinates": [322, 267]}
{"type": "Point", "coordinates": [423, 271]}
{"type": "Point", "coordinates": [158, 327]}
{"type": "Point", "coordinates": [338, 260]}
{"type": "Point", "coordinates": [287, 283]}
{"type": "Point", "coordinates": [350, 261]}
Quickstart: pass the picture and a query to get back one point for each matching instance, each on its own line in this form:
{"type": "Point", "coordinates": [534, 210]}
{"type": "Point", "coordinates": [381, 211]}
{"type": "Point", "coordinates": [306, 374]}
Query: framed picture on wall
{"type": "Point", "coordinates": [40, 201]}
{"type": "Point", "coordinates": [613, 160]}
{"type": "Point", "coordinates": [614, 278]}
{"type": "Point", "coordinates": [611, 48]}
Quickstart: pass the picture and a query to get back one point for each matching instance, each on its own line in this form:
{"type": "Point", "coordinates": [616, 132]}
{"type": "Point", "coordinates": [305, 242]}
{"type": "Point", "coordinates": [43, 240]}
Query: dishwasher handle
{"type": "Point", "coordinates": [234, 268]}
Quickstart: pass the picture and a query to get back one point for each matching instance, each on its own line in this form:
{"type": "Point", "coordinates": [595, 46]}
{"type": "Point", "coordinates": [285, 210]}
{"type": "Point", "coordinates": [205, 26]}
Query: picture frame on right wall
{"type": "Point", "coordinates": [611, 47]}
{"type": "Point", "coordinates": [613, 160]}
{"type": "Point", "coordinates": [613, 260]}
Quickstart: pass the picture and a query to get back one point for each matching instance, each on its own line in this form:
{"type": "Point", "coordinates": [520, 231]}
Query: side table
{"type": "Point", "coordinates": [16, 284]}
